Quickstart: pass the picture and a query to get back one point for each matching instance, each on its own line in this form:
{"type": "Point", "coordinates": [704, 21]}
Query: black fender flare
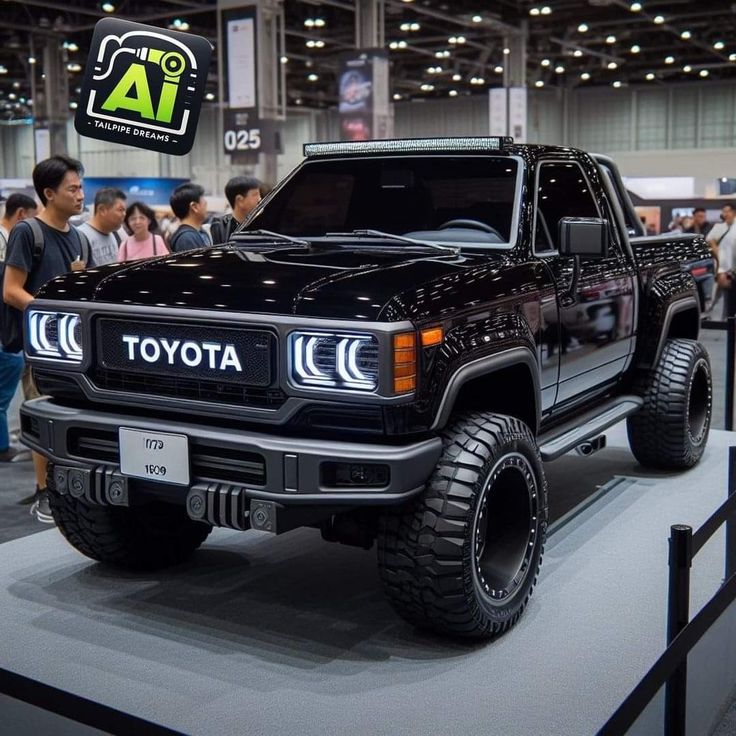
{"type": "Point", "coordinates": [484, 366]}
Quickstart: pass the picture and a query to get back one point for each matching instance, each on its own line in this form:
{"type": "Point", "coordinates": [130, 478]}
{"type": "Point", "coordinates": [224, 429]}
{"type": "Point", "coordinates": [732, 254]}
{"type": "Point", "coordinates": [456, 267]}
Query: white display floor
{"type": "Point", "coordinates": [291, 635]}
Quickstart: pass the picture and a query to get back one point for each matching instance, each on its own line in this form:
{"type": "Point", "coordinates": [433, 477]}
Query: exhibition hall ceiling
{"type": "Point", "coordinates": [437, 48]}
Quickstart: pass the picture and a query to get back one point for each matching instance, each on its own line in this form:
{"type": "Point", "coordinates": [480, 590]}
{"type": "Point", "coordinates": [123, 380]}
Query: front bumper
{"type": "Point", "coordinates": [285, 470]}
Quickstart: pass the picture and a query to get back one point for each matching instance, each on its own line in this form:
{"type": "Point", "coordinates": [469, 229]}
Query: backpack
{"type": "Point", "coordinates": [220, 229]}
{"type": "Point", "coordinates": [180, 231]}
{"type": "Point", "coordinates": [11, 319]}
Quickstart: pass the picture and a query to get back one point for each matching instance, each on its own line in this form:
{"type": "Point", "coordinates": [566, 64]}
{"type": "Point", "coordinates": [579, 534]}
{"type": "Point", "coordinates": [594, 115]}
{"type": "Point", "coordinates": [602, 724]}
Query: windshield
{"type": "Point", "coordinates": [445, 199]}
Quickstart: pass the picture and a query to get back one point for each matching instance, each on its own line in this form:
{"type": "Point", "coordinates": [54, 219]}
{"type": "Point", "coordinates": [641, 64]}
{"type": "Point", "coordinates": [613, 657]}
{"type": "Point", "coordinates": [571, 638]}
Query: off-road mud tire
{"type": "Point", "coordinates": [671, 430]}
{"type": "Point", "coordinates": [431, 558]}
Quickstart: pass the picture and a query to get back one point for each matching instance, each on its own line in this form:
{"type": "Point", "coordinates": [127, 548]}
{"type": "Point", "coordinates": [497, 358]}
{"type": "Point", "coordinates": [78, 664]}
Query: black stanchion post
{"type": "Point", "coordinates": [730, 370]}
{"type": "Point", "coordinates": [730, 521]}
{"type": "Point", "coordinates": [678, 614]}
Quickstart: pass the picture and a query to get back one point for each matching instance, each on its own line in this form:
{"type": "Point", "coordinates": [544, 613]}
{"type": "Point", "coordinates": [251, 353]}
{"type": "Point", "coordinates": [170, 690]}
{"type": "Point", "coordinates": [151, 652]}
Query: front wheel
{"type": "Point", "coordinates": [671, 428]}
{"type": "Point", "coordinates": [463, 557]}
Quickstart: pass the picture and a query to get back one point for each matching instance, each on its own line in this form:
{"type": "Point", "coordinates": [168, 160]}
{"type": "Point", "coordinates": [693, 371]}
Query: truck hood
{"type": "Point", "coordinates": [345, 282]}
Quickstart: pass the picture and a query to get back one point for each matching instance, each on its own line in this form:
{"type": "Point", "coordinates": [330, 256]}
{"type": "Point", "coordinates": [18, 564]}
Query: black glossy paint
{"type": "Point", "coordinates": [579, 317]}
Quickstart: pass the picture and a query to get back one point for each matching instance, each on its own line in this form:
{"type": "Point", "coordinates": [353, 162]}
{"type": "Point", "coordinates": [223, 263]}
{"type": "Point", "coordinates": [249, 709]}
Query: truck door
{"type": "Point", "coordinates": [592, 329]}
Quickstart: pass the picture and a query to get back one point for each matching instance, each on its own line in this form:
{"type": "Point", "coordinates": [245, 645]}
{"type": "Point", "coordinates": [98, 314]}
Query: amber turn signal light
{"type": "Point", "coordinates": [405, 362]}
{"type": "Point", "coordinates": [432, 336]}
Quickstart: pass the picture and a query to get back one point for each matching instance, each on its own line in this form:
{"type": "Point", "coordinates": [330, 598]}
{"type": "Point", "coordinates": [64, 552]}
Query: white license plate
{"type": "Point", "coordinates": [154, 456]}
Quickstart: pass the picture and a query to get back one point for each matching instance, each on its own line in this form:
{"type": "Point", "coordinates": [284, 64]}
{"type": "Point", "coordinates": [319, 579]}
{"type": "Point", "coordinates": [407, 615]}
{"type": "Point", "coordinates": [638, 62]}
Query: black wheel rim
{"type": "Point", "coordinates": [699, 403]}
{"type": "Point", "coordinates": [505, 529]}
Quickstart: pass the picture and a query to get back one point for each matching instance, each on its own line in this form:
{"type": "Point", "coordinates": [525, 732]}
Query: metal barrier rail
{"type": "Point", "coordinates": [78, 709]}
{"type": "Point", "coordinates": [670, 669]}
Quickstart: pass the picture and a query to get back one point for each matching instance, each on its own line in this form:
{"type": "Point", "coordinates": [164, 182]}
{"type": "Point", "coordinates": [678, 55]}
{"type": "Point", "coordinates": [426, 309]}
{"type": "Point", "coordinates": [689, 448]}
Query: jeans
{"type": "Point", "coordinates": [11, 366]}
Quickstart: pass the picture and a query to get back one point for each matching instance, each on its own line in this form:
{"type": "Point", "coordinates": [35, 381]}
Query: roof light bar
{"type": "Point", "coordinates": [408, 145]}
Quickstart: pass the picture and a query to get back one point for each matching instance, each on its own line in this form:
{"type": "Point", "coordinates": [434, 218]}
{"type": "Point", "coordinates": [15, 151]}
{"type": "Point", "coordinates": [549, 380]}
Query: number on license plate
{"type": "Point", "coordinates": [156, 456]}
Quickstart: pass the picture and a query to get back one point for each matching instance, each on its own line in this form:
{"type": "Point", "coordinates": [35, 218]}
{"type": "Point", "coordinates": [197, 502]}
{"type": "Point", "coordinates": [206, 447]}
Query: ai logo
{"type": "Point", "coordinates": [143, 86]}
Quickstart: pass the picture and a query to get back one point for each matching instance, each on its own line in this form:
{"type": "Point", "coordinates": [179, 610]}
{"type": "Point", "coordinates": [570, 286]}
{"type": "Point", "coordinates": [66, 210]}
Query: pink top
{"type": "Point", "coordinates": [132, 249]}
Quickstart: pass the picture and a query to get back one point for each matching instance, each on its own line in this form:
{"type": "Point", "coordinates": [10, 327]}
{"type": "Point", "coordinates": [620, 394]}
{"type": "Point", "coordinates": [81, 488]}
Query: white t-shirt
{"type": "Point", "coordinates": [726, 239]}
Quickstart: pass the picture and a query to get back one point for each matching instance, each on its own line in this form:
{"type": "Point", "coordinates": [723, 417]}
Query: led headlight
{"type": "Point", "coordinates": [54, 335]}
{"type": "Point", "coordinates": [334, 360]}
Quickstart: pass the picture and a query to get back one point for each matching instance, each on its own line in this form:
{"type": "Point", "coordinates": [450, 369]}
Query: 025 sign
{"type": "Point", "coordinates": [242, 132]}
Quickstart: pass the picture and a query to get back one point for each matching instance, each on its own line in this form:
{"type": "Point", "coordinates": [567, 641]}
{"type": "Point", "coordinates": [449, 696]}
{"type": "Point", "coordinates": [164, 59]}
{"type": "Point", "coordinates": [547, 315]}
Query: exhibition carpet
{"type": "Point", "coordinates": [291, 635]}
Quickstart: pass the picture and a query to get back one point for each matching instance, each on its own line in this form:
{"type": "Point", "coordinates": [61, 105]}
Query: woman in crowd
{"type": "Point", "coordinates": [145, 241]}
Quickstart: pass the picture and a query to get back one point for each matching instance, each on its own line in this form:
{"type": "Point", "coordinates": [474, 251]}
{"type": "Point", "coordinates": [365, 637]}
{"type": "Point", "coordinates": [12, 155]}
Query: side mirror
{"type": "Point", "coordinates": [584, 236]}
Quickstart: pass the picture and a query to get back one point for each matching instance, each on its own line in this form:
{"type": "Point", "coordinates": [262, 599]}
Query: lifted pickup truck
{"type": "Point", "coordinates": [388, 351]}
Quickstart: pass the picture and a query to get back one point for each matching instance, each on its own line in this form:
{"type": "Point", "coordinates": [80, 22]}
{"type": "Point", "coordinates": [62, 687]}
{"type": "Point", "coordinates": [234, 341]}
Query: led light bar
{"type": "Point", "coordinates": [408, 145]}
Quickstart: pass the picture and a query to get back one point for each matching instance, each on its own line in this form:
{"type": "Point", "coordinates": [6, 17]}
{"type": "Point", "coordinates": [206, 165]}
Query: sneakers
{"type": "Point", "coordinates": [41, 508]}
{"type": "Point", "coordinates": [15, 455]}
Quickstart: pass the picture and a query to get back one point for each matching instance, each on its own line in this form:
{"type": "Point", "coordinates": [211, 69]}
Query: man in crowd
{"type": "Point", "coordinates": [190, 206]}
{"type": "Point", "coordinates": [243, 194]}
{"type": "Point", "coordinates": [102, 228]}
{"type": "Point", "coordinates": [58, 184]}
{"type": "Point", "coordinates": [700, 225]}
{"type": "Point", "coordinates": [17, 207]}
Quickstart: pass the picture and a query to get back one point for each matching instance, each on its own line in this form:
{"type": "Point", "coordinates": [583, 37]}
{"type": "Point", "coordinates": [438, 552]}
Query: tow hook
{"type": "Point", "coordinates": [590, 446]}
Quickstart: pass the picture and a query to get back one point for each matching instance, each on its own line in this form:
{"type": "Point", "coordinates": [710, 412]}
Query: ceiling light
{"type": "Point", "coordinates": [611, 39]}
{"type": "Point", "coordinates": [108, 7]}
{"type": "Point", "coordinates": [539, 83]}
{"type": "Point", "coordinates": [704, 72]}
{"type": "Point", "coordinates": [498, 69]}
{"type": "Point", "coordinates": [687, 68]}
{"type": "Point", "coordinates": [559, 69]}
{"type": "Point", "coordinates": [719, 45]}
{"type": "Point", "coordinates": [315, 44]}
{"type": "Point", "coordinates": [209, 96]}
{"type": "Point", "coordinates": [506, 51]}
{"type": "Point", "coordinates": [534, 11]}
{"type": "Point", "coordinates": [585, 76]}
{"type": "Point", "coordinates": [74, 67]}
{"type": "Point", "coordinates": [284, 59]}
{"type": "Point", "coordinates": [635, 49]}
{"type": "Point", "coordinates": [410, 26]}
{"type": "Point", "coordinates": [659, 19]}
{"type": "Point", "coordinates": [650, 76]}
{"type": "Point", "coordinates": [578, 53]}
{"type": "Point", "coordinates": [73, 105]}
{"type": "Point", "coordinates": [31, 59]}
{"type": "Point", "coordinates": [72, 46]}
{"type": "Point", "coordinates": [3, 69]}
{"type": "Point", "coordinates": [477, 80]}
{"type": "Point", "coordinates": [442, 54]}
{"type": "Point", "coordinates": [546, 10]}
{"type": "Point", "coordinates": [12, 96]}
{"type": "Point", "coordinates": [686, 35]}
{"type": "Point", "coordinates": [456, 39]}
{"type": "Point", "coordinates": [635, 7]}
{"type": "Point", "coordinates": [477, 19]}
{"type": "Point", "coordinates": [612, 65]}
{"type": "Point", "coordinates": [179, 24]}
{"type": "Point", "coordinates": [397, 96]}
{"type": "Point", "coordinates": [397, 45]}
{"type": "Point", "coordinates": [545, 62]}
{"type": "Point", "coordinates": [617, 84]}
{"type": "Point", "coordinates": [427, 88]}
{"type": "Point", "coordinates": [583, 28]}
{"type": "Point", "coordinates": [732, 57]}
{"type": "Point", "coordinates": [16, 85]}
{"type": "Point", "coordinates": [456, 77]}
{"type": "Point", "coordinates": [669, 60]}
{"type": "Point", "coordinates": [452, 93]}
{"type": "Point", "coordinates": [312, 77]}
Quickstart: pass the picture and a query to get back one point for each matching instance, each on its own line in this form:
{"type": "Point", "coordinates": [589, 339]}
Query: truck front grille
{"type": "Point", "coordinates": [187, 388]}
{"type": "Point", "coordinates": [208, 462]}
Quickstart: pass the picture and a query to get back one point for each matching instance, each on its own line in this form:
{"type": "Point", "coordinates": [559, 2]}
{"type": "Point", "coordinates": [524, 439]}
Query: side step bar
{"type": "Point", "coordinates": [569, 435]}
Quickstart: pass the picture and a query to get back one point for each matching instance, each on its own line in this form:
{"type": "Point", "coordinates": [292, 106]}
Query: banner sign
{"type": "Point", "coordinates": [242, 131]}
{"type": "Point", "coordinates": [143, 86]}
{"type": "Point", "coordinates": [363, 93]}
{"type": "Point", "coordinates": [154, 191]}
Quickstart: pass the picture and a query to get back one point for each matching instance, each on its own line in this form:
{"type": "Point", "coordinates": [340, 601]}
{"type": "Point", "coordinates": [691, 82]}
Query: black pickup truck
{"type": "Point", "coordinates": [388, 351]}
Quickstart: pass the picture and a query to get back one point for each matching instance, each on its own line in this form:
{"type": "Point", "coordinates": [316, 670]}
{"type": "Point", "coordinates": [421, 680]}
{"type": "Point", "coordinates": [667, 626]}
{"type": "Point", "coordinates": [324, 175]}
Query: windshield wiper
{"type": "Point", "coordinates": [401, 238]}
{"type": "Point", "coordinates": [268, 233]}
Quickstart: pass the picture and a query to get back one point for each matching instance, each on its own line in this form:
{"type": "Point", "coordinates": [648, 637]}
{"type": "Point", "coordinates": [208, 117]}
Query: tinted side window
{"type": "Point", "coordinates": [562, 191]}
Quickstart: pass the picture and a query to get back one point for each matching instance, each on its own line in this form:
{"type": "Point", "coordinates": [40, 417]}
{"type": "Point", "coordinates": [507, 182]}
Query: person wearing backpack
{"type": "Point", "coordinates": [102, 228]}
{"type": "Point", "coordinates": [243, 194]}
{"type": "Point", "coordinates": [40, 249]}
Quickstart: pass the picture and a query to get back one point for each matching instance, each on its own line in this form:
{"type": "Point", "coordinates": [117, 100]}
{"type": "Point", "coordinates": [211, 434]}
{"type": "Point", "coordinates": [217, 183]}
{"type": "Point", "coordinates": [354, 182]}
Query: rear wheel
{"type": "Point", "coordinates": [671, 428]}
{"type": "Point", "coordinates": [146, 537]}
{"type": "Point", "coordinates": [463, 557]}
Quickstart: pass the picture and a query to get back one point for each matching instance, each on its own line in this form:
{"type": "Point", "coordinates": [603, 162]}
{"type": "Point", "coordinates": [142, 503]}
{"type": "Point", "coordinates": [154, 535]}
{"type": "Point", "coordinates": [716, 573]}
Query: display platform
{"type": "Point", "coordinates": [267, 635]}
